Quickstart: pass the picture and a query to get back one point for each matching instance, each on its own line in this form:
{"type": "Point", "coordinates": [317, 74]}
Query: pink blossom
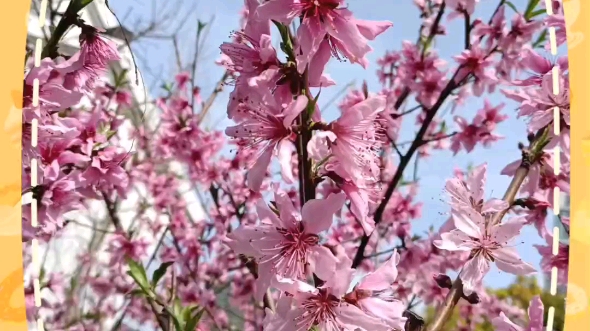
{"type": "Point", "coordinates": [540, 66]}
{"type": "Point", "coordinates": [475, 61]}
{"type": "Point", "coordinates": [469, 194]}
{"type": "Point", "coordinates": [374, 294]}
{"type": "Point", "coordinates": [481, 130]}
{"type": "Point", "coordinates": [537, 212]}
{"type": "Point", "coordinates": [521, 32]}
{"type": "Point", "coordinates": [325, 22]}
{"type": "Point", "coordinates": [558, 22]}
{"type": "Point", "coordinates": [267, 128]}
{"type": "Point", "coordinates": [487, 243]}
{"type": "Point", "coordinates": [550, 260]}
{"type": "Point", "coordinates": [329, 308]}
{"type": "Point", "coordinates": [91, 62]}
{"type": "Point", "coordinates": [353, 138]}
{"type": "Point", "coordinates": [536, 318]}
{"type": "Point", "coordinates": [495, 31]}
{"type": "Point", "coordinates": [287, 243]}
{"type": "Point", "coordinates": [461, 6]}
{"type": "Point", "coordinates": [541, 111]}
{"type": "Point", "coordinates": [53, 94]}
{"type": "Point", "coordinates": [182, 79]}
{"type": "Point", "coordinates": [249, 56]}
{"type": "Point", "coordinates": [106, 171]}
{"type": "Point", "coordinates": [122, 247]}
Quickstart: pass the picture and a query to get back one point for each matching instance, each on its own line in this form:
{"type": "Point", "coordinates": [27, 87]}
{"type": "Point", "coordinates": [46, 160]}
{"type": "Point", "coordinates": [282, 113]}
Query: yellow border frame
{"type": "Point", "coordinates": [577, 14]}
{"type": "Point", "coordinates": [13, 33]}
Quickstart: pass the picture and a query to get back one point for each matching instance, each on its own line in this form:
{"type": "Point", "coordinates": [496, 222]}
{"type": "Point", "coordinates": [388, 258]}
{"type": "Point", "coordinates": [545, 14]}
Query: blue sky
{"type": "Point", "coordinates": [404, 15]}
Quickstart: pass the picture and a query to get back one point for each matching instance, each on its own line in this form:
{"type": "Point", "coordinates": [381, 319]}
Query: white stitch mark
{"type": "Point", "coordinates": [35, 92]}
{"type": "Point", "coordinates": [556, 206]}
{"type": "Point", "coordinates": [37, 292]}
{"type": "Point", "coordinates": [556, 161]}
{"type": "Point", "coordinates": [555, 245]}
{"type": "Point", "coordinates": [42, 13]}
{"type": "Point", "coordinates": [553, 40]}
{"type": "Point", "coordinates": [34, 180]}
{"type": "Point", "coordinates": [38, 48]}
{"type": "Point", "coordinates": [553, 289]}
{"type": "Point", "coordinates": [556, 115]}
{"type": "Point", "coordinates": [34, 222]}
{"type": "Point", "coordinates": [40, 326]}
{"type": "Point", "coordinates": [34, 131]}
{"type": "Point", "coordinates": [34, 251]}
{"type": "Point", "coordinates": [555, 76]}
{"type": "Point", "coordinates": [550, 317]}
{"type": "Point", "coordinates": [549, 7]}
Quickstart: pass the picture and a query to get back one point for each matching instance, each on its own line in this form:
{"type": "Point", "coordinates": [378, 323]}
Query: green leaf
{"type": "Point", "coordinates": [137, 272]}
{"type": "Point", "coordinates": [193, 321]}
{"type": "Point", "coordinates": [540, 42]}
{"type": "Point", "coordinates": [404, 182]}
{"type": "Point", "coordinates": [530, 8]}
{"type": "Point", "coordinates": [177, 324]}
{"type": "Point", "coordinates": [311, 105]}
{"type": "Point", "coordinates": [160, 272]}
{"type": "Point", "coordinates": [42, 274]}
{"type": "Point", "coordinates": [77, 5]}
{"type": "Point", "coordinates": [92, 316]}
{"type": "Point", "coordinates": [167, 87]}
{"type": "Point", "coordinates": [511, 5]}
{"type": "Point", "coordinates": [177, 309]}
{"type": "Point", "coordinates": [537, 13]}
{"type": "Point", "coordinates": [200, 26]}
{"type": "Point", "coordinates": [137, 292]}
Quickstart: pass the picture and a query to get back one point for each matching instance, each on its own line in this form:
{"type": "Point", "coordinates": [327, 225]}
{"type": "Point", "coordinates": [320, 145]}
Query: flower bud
{"type": "Point", "coordinates": [531, 136]}
{"type": "Point", "coordinates": [443, 280]}
{"type": "Point", "coordinates": [473, 298]}
{"type": "Point", "coordinates": [414, 322]}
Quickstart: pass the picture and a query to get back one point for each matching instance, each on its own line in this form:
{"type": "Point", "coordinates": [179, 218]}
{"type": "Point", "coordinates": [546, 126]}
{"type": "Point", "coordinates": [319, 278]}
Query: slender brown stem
{"type": "Point", "coordinates": [446, 309]}
{"type": "Point", "coordinates": [529, 156]}
{"type": "Point", "coordinates": [69, 18]}
{"type": "Point", "coordinates": [404, 161]}
{"type": "Point", "coordinates": [306, 185]}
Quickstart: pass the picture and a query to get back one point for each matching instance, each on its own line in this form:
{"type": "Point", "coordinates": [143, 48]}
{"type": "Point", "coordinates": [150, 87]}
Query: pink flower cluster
{"type": "Point", "coordinates": [301, 223]}
{"type": "Point", "coordinates": [77, 156]}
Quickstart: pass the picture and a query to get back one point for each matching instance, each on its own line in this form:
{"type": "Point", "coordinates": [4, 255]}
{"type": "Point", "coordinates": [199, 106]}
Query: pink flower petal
{"type": "Point", "coordinates": [536, 314]}
{"type": "Point", "coordinates": [264, 213]}
{"type": "Point", "coordinates": [383, 277]}
{"type": "Point", "coordinates": [318, 214]}
{"type": "Point", "coordinates": [353, 317]}
{"type": "Point", "coordinates": [473, 273]}
{"type": "Point", "coordinates": [508, 260]}
{"type": "Point", "coordinates": [322, 262]}
{"type": "Point", "coordinates": [257, 173]}
{"type": "Point", "coordinates": [468, 221]}
{"type": "Point", "coordinates": [503, 323]}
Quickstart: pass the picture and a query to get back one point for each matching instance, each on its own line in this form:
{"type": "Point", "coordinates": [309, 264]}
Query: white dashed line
{"type": "Point", "coordinates": [556, 164]}
{"type": "Point", "coordinates": [34, 167]}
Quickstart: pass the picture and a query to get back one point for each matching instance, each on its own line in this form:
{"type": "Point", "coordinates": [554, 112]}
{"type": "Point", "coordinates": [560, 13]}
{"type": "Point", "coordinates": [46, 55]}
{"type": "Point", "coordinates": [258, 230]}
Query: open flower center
{"type": "Point", "coordinates": [317, 8]}
{"type": "Point", "coordinates": [320, 309]}
{"type": "Point", "coordinates": [290, 253]}
{"type": "Point", "coordinates": [485, 248]}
